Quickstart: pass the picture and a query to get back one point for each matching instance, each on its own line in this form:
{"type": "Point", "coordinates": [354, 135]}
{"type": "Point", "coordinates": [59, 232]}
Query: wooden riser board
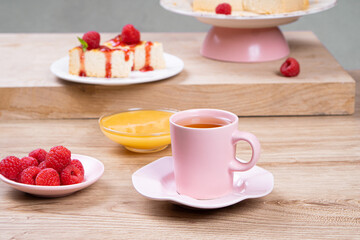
{"type": "Point", "coordinates": [28, 90]}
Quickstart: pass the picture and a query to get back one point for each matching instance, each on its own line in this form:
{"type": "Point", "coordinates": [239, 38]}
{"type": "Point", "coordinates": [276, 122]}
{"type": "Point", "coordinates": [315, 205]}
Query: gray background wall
{"type": "Point", "coordinates": [337, 28]}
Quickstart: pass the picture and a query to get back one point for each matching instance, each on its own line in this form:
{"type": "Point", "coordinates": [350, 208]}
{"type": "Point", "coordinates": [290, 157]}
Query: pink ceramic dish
{"type": "Point", "coordinates": [94, 169]}
{"type": "Point", "coordinates": [156, 181]}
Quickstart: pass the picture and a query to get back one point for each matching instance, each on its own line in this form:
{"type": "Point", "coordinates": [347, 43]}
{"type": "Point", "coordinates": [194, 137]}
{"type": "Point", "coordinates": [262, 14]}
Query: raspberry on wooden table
{"type": "Point", "coordinates": [92, 38]}
{"type": "Point", "coordinates": [71, 175]}
{"type": "Point", "coordinates": [39, 154]}
{"type": "Point", "coordinates": [223, 8]}
{"type": "Point", "coordinates": [58, 158]}
{"type": "Point", "coordinates": [290, 68]}
{"type": "Point", "coordinates": [29, 175]}
{"type": "Point", "coordinates": [48, 177]}
{"type": "Point", "coordinates": [130, 35]}
{"type": "Point", "coordinates": [10, 167]}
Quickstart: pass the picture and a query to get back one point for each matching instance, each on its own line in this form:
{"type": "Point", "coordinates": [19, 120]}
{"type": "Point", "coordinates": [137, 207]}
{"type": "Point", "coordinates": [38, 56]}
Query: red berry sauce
{"type": "Point", "coordinates": [147, 66]}
{"type": "Point", "coordinates": [127, 54]}
{"type": "Point", "coordinates": [82, 72]}
{"type": "Point", "coordinates": [108, 53]}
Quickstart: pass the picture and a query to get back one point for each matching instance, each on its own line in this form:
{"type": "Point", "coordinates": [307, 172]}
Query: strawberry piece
{"type": "Point", "coordinates": [130, 35]}
{"type": "Point", "coordinates": [92, 38]}
{"type": "Point", "coordinates": [223, 8]}
{"type": "Point", "coordinates": [71, 175]}
{"type": "Point", "coordinates": [28, 176]}
{"type": "Point", "coordinates": [47, 177]}
{"type": "Point", "coordinates": [10, 167]}
{"type": "Point", "coordinates": [39, 154]}
{"type": "Point", "coordinates": [290, 68]}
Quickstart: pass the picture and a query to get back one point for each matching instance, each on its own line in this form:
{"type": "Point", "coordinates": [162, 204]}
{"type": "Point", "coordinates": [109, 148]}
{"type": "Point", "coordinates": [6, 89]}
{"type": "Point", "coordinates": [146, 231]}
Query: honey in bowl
{"type": "Point", "coordinates": [138, 130]}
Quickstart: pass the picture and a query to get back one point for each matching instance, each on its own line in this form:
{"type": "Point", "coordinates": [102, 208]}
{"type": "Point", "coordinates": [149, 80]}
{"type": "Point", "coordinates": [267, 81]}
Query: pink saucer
{"type": "Point", "coordinates": [93, 171]}
{"type": "Point", "coordinates": [156, 181]}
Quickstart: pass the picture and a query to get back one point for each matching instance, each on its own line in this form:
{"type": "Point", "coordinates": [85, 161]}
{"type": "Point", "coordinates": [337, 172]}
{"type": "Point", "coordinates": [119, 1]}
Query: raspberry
{"type": "Point", "coordinates": [130, 35]}
{"type": "Point", "coordinates": [290, 68]}
{"type": "Point", "coordinates": [79, 165]}
{"type": "Point", "coordinates": [29, 174]}
{"type": "Point", "coordinates": [223, 8]}
{"type": "Point", "coordinates": [43, 165]}
{"type": "Point", "coordinates": [92, 38]}
{"type": "Point", "coordinates": [71, 175]}
{"type": "Point", "coordinates": [28, 162]}
{"type": "Point", "coordinates": [58, 158]}
{"type": "Point", "coordinates": [39, 154]}
{"type": "Point", "coordinates": [10, 167]}
{"type": "Point", "coordinates": [48, 177]}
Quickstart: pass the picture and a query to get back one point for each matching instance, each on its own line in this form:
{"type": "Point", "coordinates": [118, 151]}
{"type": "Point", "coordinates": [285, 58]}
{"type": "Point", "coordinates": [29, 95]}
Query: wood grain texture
{"type": "Point", "coordinates": [315, 162]}
{"type": "Point", "coordinates": [316, 189]}
{"type": "Point", "coordinates": [28, 90]}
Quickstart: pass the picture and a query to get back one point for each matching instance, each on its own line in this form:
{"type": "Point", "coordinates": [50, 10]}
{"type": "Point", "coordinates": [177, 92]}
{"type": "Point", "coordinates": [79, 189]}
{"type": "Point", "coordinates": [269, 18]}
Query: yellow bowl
{"type": "Point", "coordinates": [138, 130]}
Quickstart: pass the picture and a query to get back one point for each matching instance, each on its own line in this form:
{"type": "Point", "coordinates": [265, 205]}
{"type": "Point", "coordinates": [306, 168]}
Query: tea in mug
{"type": "Point", "coordinates": [203, 122]}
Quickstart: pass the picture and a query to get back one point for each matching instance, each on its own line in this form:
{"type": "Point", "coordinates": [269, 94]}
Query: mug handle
{"type": "Point", "coordinates": [236, 164]}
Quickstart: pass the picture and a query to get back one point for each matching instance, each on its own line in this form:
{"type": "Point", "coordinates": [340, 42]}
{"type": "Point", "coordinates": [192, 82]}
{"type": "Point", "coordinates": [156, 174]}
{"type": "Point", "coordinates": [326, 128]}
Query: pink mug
{"type": "Point", "coordinates": [205, 156]}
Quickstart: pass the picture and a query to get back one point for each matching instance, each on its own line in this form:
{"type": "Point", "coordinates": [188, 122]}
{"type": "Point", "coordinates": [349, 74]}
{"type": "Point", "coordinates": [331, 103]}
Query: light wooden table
{"type": "Point", "coordinates": [315, 162]}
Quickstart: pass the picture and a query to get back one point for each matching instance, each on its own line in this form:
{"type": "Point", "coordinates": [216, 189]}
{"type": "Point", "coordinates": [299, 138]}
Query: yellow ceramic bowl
{"type": "Point", "coordinates": [138, 130]}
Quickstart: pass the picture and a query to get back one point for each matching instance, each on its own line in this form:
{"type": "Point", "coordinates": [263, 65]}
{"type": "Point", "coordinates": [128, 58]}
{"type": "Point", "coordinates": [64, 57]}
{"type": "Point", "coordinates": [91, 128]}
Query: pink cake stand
{"type": "Point", "coordinates": [244, 45]}
{"type": "Point", "coordinates": [244, 36]}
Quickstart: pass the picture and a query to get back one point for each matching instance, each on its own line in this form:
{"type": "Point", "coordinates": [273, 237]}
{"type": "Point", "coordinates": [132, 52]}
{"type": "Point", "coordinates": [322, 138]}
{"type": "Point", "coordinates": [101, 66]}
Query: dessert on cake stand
{"type": "Point", "coordinates": [245, 36]}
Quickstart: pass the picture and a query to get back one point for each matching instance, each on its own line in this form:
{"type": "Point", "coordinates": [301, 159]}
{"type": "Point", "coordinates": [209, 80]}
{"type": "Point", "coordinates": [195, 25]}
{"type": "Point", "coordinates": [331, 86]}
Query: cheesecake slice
{"type": "Point", "coordinates": [148, 55]}
{"type": "Point", "coordinates": [275, 6]}
{"type": "Point", "coordinates": [255, 6]}
{"type": "Point", "coordinates": [117, 57]}
{"type": "Point", "coordinates": [100, 62]}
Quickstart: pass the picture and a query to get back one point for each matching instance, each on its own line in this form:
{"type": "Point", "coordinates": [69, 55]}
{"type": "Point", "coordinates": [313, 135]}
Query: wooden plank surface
{"type": "Point", "coordinates": [26, 83]}
{"type": "Point", "coordinates": [315, 162]}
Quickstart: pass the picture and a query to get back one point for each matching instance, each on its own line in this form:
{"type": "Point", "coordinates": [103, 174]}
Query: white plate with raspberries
{"type": "Point", "coordinates": [36, 179]}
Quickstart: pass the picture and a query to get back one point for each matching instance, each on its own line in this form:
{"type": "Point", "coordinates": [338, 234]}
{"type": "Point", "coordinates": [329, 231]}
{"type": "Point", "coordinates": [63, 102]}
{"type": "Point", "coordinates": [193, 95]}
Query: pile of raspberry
{"type": "Point", "coordinates": [53, 168]}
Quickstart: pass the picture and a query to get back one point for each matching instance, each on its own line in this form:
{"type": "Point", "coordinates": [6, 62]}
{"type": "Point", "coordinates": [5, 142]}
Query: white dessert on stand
{"type": "Point", "coordinates": [245, 36]}
{"type": "Point", "coordinates": [256, 6]}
